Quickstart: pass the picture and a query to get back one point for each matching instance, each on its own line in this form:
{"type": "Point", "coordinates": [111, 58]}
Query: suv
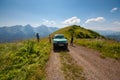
{"type": "Point", "coordinates": [60, 41]}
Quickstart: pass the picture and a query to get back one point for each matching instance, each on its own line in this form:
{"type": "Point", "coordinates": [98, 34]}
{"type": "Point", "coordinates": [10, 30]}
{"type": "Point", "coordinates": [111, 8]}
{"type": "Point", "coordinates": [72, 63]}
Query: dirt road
{"type": "Point", "coordinates": [94, 67]}
{"type": "Point", "coordinates": [53, 69]}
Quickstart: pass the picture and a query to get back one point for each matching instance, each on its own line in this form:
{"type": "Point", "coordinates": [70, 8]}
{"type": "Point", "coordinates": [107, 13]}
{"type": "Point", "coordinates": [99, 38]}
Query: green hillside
{"type": "Point", "coordinates": [24, 60]}
{"type": "Point", "coordinates": [78, 32]}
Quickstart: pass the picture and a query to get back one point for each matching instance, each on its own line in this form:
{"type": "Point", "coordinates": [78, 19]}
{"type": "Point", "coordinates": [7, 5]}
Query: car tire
{"type": "Point", "coordinates": [66, 47]}
{"type": "Point", "coordinates": [54, 47]}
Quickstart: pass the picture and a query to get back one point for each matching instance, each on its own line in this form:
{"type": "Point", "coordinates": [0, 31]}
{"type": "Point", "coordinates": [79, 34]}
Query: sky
{"type": "Point", "coordinates": [91, 14]}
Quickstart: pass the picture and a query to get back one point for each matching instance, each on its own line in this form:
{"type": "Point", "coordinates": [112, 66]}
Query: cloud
{"type": "Point", "coordinates": [116, 22]}
{"type": "Point", "coordinates": [98, 19]}
{"type": "Point", "coordinates": [71, 21]}
{"type": "Point", "coordinates": [48, 22]}
{"type": "Point", "coordinates": [114, 9]}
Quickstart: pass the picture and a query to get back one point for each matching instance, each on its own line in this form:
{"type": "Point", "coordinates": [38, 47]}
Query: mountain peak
{"type": "Point", "coordinates": [28, 25]}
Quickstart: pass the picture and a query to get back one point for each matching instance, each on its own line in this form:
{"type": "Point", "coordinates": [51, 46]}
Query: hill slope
{"type": "Point", "coordinates": [24, 60]}
{"type": "Point", "coordinates": [78, 32]}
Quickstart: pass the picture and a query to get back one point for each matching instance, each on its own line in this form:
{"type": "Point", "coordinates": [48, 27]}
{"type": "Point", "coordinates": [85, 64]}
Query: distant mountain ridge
{"type": "Point", "coordinates": [44, 30]}
{"type": "Point", "coordinates": [115, 35]}
{"type": "Point", "coordinates": [106, 32]}
{"type": "Point", "coordinates": [19, 32]}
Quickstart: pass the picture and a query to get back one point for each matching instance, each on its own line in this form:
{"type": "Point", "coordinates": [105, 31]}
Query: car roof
{"type": "Point", "coordinates": [59, 34]}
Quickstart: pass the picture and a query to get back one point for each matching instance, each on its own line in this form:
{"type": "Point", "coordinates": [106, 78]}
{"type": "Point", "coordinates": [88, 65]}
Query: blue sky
{"type": "Point", "coordinates": [92, 14]}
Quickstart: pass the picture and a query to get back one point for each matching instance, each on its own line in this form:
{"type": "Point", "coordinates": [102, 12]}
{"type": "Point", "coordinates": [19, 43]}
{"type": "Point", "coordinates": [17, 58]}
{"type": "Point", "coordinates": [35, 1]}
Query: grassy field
{"type": "Point", "coordinates": [108, 48]}
{"type": "Point", "coordinates": [24, 60]}
{"type": "Point", "coordinates": [71, 70]}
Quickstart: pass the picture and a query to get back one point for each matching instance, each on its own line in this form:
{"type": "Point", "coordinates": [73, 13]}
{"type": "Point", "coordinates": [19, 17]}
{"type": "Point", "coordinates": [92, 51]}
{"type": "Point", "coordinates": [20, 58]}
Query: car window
{"type": "Point", "coordinates": [59, 37]}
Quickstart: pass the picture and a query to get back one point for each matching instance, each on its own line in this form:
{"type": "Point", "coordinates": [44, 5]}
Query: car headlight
{"type": "Point", "coordinates": [54, 41]}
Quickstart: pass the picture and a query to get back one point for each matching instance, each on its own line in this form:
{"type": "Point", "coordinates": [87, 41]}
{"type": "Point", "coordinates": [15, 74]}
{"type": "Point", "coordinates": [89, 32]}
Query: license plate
{"type": "Point", "coordinates": [61, 44]}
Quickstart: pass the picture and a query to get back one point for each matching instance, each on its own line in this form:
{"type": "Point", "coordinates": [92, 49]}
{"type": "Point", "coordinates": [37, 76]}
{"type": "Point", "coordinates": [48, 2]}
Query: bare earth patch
{"type": "Point", "coordinates": [95, 67]}
{"type": "Point", "coordinates": [53, 69]}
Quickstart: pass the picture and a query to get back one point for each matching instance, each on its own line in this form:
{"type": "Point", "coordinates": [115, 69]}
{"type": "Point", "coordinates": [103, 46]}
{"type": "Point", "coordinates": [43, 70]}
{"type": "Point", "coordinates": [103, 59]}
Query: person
{"type": "Point", "coordinates": [71, 41]}
{"type": "Point", "coordinates": [49, 38]}
{"type": "Point", "coordinates": [37, 36]}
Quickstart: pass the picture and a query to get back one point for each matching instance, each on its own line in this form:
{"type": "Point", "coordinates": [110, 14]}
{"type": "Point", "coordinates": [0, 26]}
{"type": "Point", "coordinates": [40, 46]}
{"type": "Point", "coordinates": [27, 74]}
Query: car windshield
{"type": "Point", "coordinates": [59, 36]}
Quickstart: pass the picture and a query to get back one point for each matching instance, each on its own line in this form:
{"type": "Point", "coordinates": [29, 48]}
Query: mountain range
{"type": "Point", "coordinates": [19, 32]}
{"type": "Point", "coordinates": [115, 35]}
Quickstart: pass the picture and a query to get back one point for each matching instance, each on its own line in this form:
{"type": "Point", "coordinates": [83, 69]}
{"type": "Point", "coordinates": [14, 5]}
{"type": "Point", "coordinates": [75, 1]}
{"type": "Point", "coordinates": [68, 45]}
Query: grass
{"type": "Point", "coordinates": [108, 48]}
{"type": "Point", "coordinates": [24, 60]}
{"type": "Point", "coordinates": [78, 32]}
{"type": "Point", "coordinates": [71, 70]}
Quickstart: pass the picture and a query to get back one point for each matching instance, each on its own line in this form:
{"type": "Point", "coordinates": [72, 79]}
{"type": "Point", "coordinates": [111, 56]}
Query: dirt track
{"type": "Point", "coordinates": [94, 67]}
{"type": "Point", "coordinates": [53, 69]}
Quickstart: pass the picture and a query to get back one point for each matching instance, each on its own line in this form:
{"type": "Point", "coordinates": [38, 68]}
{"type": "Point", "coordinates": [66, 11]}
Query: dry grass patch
{"type": "Point", "coordinates": [71, 70]}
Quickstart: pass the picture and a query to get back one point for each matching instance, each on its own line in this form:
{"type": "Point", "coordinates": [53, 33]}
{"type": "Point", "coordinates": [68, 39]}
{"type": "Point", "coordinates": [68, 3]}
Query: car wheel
{"type": "Point", "coordinates": [54, 47]}
{"type": "Point", "coordinates": [66, 47]}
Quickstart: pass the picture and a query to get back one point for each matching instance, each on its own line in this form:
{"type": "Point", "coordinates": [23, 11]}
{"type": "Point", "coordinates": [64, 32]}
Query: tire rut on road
{"type": "Point", "coordinates": [53, 69]}
{"type": "Point", "coordinates": [94, 67]}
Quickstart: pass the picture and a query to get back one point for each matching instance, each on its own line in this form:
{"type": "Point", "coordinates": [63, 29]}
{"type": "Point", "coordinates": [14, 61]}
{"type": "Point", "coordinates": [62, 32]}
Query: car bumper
{"type": "Point", "coordinates": [60, 44]}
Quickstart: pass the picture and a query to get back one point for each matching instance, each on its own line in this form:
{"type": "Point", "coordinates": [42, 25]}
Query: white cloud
{"type": "Point", "coordinates": [114, 9]}
{"type": "Point", "coordinates": [48, 22]}
{"type": "Point", "coordinates": [71, 21]}
{"type": "Point", "coordinates": [98, 19]}
{"type": "Point", "coordinates": [113, 26]}
{"type": "Point", "coordinates": [116, 22]}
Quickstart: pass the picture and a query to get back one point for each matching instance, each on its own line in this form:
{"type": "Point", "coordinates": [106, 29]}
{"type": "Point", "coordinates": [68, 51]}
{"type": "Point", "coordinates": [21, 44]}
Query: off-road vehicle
{"type": "Point", "coordinates": [60, 41]}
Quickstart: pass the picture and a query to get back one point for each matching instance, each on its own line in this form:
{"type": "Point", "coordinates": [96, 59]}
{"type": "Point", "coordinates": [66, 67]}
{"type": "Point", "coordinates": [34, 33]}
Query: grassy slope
{"type": "Point", "coordinates": [78, 32]}
{"type": "Point", "coordinates": [91, 39]}
{"type": "Point", "coordinates": [24, 60]}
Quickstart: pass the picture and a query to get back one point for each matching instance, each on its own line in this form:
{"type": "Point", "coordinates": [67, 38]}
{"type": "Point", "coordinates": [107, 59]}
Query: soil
{"type": "Point", "coordinates": [95, 67]}
{"type": "Point", "coordinates": [53, 69]}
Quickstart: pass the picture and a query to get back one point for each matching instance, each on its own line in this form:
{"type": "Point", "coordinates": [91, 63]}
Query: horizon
{"type": "Point", "coordinates": [95, 15]}
{"type": "Point", "coordinates": [58, 27]}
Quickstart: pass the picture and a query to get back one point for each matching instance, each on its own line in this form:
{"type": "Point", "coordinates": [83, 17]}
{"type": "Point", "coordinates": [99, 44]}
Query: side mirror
{"type": "Point", "coordinates": [66, 38]}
